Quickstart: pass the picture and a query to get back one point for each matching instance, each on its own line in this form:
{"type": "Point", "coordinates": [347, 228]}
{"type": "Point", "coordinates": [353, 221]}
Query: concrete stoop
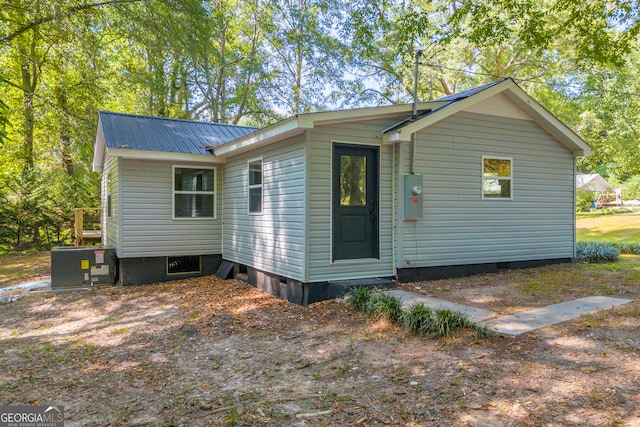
{"type": "Point", "coordinates": [340, 288]}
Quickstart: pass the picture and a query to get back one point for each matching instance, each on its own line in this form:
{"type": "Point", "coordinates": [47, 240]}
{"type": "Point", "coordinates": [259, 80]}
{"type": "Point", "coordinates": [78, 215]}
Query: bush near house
{"type": "Point", "coordinates": [583, 200]}
{"type": "Point", "coordinates": [596, 252]}
{"type": "Point", "coordinates": [418, 319]}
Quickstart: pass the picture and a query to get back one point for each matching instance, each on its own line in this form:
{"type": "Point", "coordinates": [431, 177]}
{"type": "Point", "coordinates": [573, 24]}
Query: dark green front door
{"type": "Point", "coordinates": [355, 201]}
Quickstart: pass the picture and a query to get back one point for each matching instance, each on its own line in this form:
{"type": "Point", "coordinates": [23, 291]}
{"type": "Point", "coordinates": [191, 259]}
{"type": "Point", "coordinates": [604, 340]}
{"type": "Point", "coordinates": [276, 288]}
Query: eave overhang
{"type": "Point", "coordinates": [510, 89]}
{"type": "Point", "coordinates": [298, 124]}
{"type": "Point", "coordinates": [127, 153]}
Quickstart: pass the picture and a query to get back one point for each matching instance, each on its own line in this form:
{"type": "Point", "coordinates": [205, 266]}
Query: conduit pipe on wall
{"type": "Point", "coordinates": [414, 116]}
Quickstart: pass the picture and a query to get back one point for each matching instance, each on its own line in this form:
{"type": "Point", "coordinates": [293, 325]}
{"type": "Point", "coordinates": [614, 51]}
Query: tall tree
{"type": "Point", "coordinates": [609, 105]}
{"type": "Point", "coordinates": [228, 65]}
{"type": "Point", "coordinates": [306, 54]}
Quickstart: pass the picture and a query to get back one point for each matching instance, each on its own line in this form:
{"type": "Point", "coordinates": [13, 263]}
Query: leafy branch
{"type": "Point", "coordinates": [48, 18]}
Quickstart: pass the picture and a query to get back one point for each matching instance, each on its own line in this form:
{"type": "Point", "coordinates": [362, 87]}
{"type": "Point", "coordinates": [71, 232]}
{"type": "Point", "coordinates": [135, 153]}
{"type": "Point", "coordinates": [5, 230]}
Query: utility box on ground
{"type": "Point", "coordinates": [81, 267]}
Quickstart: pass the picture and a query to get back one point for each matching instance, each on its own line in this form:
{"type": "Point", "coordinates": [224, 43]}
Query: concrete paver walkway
{"type": "Point", "coordinates": [473, 313]}
{"type": "Point", "coordinates": [519, 323]}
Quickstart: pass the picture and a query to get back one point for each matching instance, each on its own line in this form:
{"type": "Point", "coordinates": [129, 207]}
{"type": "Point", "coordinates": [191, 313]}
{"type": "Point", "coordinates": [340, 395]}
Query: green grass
{"type": "Point", "coordinates": [552, 284]}
{"type": "Point", "coordinates": [608, 228]}
{"type": "Point", "coordinates": [626, 262]}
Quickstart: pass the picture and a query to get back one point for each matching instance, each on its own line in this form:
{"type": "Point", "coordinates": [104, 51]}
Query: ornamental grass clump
{"type": "Point", "coordinates": [446, 321]}
{"type": "Point", "coordinates": [386, 306]}
{"type": "Point", "coordinates": [418, 319]}
{"type": "Point", "coordinates": [360, 299]}
{"type": "Point", "coordinates": [596, 252]}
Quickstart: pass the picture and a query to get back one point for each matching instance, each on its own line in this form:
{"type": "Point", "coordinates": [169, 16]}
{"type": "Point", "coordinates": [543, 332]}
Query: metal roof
{"type": "Point", "coordinates": [128, 131]}
{"type": "Point", "coordinates": [467, 93]}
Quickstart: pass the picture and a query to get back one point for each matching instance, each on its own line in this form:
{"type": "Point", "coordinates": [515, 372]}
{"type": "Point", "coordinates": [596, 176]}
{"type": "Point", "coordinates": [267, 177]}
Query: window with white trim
{"type": "Point", "coordinates": [109, 197]}
{"type": "Point", "coordinates": [194, 192]}
{"type": "Point", "coordinates": [497, 177]}
{"type": "Point", "coordinates": [255, 186]}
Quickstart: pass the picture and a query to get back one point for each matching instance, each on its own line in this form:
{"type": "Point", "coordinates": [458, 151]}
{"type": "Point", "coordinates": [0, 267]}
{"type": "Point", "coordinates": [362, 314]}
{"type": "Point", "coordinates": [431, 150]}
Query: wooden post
{"type": "Point", "coordinates": [78, 225]}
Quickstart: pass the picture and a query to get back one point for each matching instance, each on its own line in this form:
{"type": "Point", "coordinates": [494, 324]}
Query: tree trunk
{"type": "Point", "coordinates": [297, 86]}
{"type": "Point", "coordinates": [27, 105]}
{"type": "Point", "coordinates": [64, 138]}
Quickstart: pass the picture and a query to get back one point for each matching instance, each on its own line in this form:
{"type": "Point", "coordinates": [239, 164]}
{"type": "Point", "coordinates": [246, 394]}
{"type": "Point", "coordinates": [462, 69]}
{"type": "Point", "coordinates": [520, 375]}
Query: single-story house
{"type": "Point", "coordinates": [592, 182]}
{"type": "Point", "coordinates": [473, 182]}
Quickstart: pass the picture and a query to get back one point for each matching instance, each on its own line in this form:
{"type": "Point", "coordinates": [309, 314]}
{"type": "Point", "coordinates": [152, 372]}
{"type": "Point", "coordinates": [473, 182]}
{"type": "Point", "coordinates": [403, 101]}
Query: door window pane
{"type": "Point", "coordinates": [353, 181]}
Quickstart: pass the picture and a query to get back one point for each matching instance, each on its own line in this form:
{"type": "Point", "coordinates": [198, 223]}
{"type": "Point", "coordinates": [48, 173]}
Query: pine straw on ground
{"type": "Point", "coordinates": [206, 352]}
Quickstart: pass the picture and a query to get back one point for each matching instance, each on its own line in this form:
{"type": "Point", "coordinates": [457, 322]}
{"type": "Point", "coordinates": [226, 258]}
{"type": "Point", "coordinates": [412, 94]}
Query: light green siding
{"type": "Point", "coordinates": [273, 241]}
{"type": "Point", "coordinates": [146, 225]}
{"type": "Point", "coordinates": [458, 226]}
{"type": "Point", "coordinates": [321, 267]}
{"type": "Point", "coordinates": [111, 181]}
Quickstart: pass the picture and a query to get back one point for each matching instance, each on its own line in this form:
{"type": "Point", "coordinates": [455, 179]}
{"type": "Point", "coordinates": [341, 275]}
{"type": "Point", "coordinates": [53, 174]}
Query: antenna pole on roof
{"type": "Point", "coordinates": [415, 85]}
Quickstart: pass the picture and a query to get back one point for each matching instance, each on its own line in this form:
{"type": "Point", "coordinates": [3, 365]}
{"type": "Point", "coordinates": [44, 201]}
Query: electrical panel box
{"type": "Point", "coordinates": [413, 196]}
{"type": "Point", "coordinates": [80, 267]}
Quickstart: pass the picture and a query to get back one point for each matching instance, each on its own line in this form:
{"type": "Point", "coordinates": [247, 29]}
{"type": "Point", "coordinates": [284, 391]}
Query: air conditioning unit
{"type": "Point", "coordinates": [82, 267]}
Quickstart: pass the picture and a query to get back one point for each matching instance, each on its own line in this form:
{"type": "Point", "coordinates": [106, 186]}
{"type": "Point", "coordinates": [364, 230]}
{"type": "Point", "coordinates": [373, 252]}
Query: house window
{"type": "Point", "coordinates": [497, 177]}
{"type": "Point", "coordinates": [194, 192]}
{"type": "Point", "coordinates": [183, 264]}
{"type": "Point", "coordinates": [255, 186]}
{"type": "Point", "coordinates": [109, 206]}
{"type": "Point", "coordinates": [109, 198]}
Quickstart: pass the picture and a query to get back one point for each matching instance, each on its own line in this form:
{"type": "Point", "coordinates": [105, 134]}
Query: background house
{"type": "Point", "coordinates": [592, 182]}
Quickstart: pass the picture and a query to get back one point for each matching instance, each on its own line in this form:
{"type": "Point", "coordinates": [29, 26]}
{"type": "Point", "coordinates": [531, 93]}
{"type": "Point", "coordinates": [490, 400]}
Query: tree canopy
{"type": "Point", "coordinates": [254, 62]}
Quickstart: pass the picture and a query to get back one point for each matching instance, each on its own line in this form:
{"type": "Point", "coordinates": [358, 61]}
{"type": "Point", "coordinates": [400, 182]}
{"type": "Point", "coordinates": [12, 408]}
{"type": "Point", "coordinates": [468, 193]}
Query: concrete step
{"type": "Point", "coordinates": [339, 288]}
{"type": "Point", "coordinates": [225, 270]}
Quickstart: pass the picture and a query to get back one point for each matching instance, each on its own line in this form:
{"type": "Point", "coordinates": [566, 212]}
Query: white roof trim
{"type": "Point", "coordinates": [541, 115]}
{"type": "Point", "coordinates": [99, 149]}
{"type": "Point", "coordinates": [262, 137]}
{"type": "Point", "coordinates": [297, 124]}
{"type": "Point", "coordinates": [550, 123]}
{"type": "Point", "coordinates": [127, 153]}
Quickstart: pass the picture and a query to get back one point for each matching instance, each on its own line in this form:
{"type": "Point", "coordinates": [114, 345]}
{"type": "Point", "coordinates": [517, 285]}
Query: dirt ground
{"type": "Point", "coordinates": [18, 268]}
{"type": "Point", "coordinates": [206, 352]}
